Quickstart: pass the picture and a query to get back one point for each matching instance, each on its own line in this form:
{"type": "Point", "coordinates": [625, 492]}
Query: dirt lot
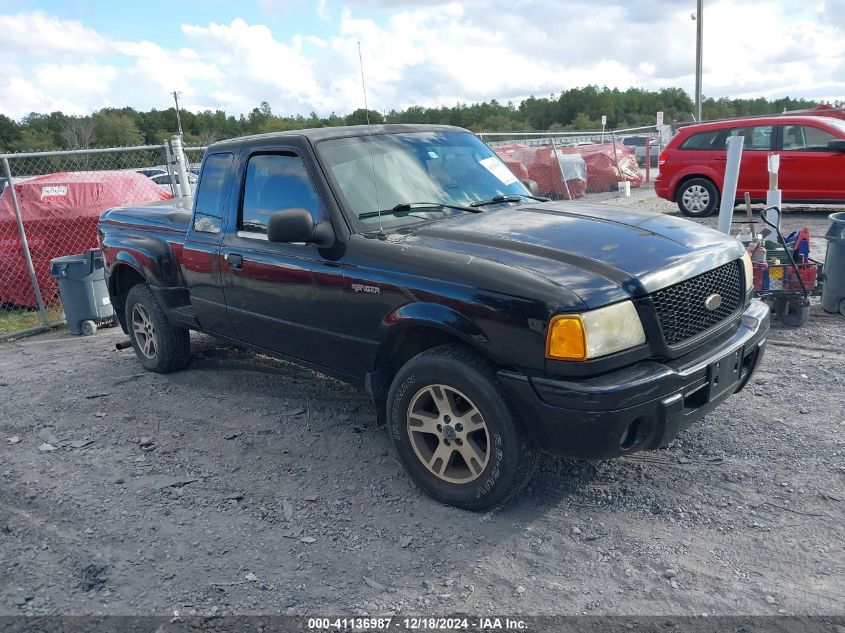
{"type": "Point", "coordinates": [247, 485]}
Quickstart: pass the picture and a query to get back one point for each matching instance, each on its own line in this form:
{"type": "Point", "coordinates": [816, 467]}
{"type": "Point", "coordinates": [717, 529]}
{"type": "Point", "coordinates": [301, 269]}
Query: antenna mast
{"type": "Point", "coordinates": [363, 83]}
{"type": "Point", "coordinates": [372, 156]}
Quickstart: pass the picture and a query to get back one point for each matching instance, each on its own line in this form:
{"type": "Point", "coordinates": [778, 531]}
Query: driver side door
{"type": "Point", "coordinates": [281, 297]}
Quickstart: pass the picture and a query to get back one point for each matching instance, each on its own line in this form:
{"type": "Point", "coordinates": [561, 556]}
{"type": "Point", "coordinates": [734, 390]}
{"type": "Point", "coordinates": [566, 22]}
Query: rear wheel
{"type": "Point", "coordinates": [697, 197]}
{"type": "Point", "coordinates": [455, 432]}
{"type": "Point", "coordinates": [159, 345]}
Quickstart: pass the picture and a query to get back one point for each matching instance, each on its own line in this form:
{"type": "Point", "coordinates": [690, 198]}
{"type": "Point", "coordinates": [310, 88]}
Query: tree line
{"type": "Point", "coordinates": [574, 109]}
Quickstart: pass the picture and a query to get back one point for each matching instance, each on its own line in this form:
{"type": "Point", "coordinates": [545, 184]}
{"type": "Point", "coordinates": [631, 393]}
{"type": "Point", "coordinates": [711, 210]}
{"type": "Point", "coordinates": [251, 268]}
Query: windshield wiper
{"type": "Point", "coordinates": [495, 200]}
{"type": "Point", "coordinates": [407, 207]}
{"type": "Point", "coordinates": [504, 198]}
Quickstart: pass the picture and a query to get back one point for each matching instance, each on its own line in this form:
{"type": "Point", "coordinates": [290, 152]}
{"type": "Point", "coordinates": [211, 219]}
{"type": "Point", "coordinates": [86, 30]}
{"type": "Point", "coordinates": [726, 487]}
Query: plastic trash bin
{"type": "Point", "coordinates": [82, 287]}
{"type": "Point", "coordinates": [833, 292]}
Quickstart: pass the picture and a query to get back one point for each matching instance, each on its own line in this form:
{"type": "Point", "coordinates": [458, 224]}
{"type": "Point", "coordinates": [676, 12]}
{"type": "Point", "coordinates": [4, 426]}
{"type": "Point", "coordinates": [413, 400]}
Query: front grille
{"type": "Point", "coordinates": [681, 310]}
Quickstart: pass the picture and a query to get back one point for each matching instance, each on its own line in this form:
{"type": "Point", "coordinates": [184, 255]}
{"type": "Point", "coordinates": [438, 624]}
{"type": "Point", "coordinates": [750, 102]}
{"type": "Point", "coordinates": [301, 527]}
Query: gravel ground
{"type": "Point", "coordinates": [246, 485]}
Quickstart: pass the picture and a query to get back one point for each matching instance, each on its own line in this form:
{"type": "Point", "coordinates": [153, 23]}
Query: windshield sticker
{"type": "Point", "coordinates": [49, 192]}
{"type": "Point", "coordinates": [432, 154]}
{"type": "Point", "coordinates": [498, 169]}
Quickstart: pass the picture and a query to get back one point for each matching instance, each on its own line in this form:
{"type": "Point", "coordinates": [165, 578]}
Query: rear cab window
{"type": "Point", "coordinates": [210, 195]}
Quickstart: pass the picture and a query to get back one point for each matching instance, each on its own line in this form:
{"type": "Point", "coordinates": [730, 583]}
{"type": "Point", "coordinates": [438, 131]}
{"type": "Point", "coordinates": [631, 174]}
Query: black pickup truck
{"type": "Point", "coordinates": [486, 324]}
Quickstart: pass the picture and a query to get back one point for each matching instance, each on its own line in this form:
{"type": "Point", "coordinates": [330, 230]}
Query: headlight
{"type": "Point", "coordinates": [594, 333]}
{"type": "Point", "coordinates": [749, 272]}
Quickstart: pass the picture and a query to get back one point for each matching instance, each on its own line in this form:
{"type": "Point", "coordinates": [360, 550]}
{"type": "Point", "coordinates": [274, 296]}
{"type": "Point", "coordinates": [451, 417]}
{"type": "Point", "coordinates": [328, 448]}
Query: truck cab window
{"type": "Point", "coordinates": [275, 182]}
{"type": "Point", "coordinates": [208, 208]}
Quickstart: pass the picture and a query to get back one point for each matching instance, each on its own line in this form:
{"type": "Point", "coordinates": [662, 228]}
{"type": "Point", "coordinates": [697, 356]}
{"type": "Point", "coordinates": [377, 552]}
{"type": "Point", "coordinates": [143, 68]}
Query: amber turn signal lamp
{"type": "Point", "coordinates": [566, 339]}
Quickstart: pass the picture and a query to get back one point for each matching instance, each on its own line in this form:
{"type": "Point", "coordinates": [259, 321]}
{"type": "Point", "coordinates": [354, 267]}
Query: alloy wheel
{"type": "Point", "coordinates": [142, 326]}
{"type": "Point", "coordinates": [448, 434]}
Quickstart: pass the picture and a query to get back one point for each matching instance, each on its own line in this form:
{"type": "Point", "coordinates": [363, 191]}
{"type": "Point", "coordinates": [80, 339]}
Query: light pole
{"type": "Point", "coordinates": [699, 33]}
{"type": "Point", "coordinates": [178, 118]}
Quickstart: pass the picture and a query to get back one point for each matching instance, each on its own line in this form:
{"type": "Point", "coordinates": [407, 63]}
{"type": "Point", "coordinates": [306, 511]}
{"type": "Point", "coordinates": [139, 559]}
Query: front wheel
{"type": "Point", "coordinates": [159, 345]}
{"type": "Point", "coordinates": [697, 197]}
{"type": "Point", "coordinates": [455, 431]}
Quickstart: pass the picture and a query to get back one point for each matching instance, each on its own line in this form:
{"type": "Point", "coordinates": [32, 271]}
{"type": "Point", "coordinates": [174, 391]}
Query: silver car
{"type": "Point", "coordinates": [169, 184]}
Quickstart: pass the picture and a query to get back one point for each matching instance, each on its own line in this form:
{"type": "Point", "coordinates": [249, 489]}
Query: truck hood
{"type": "Point", "coordinates": [602, 253]}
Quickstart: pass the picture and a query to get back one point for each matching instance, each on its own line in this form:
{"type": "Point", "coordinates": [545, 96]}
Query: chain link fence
{"type": "Point", "coordinates": [50, 203]}
{"type": "Point", "coordinates": [568, 165]}
{"type": "Point", "coordinates": [193, 159]}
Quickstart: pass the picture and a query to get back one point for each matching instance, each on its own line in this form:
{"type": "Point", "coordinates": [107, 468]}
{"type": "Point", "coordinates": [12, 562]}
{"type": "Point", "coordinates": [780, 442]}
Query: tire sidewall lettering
{"type": "Point", "coordinates": [495, 471]}
{"type": "Point", "coordinates": [396, 419]}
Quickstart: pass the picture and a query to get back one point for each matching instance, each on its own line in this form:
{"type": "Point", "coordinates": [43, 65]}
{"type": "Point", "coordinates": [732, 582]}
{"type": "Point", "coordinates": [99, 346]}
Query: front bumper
{"type": "Point", "coordinates": [640, 407]}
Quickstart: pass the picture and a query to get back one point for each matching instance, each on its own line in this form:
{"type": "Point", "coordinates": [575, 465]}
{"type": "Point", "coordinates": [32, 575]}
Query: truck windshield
{"type": "Point", "coordinates": [444, 170]}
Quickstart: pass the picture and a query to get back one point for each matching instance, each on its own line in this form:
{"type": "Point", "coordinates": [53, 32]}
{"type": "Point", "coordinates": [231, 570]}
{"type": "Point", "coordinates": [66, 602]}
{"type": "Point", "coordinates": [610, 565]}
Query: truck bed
{"type": "Point", "coordinates": [168, 217]}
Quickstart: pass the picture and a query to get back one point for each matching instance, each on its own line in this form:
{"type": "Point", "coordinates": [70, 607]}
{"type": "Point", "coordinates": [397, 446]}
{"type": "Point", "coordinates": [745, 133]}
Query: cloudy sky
{"type": "Point", "coordinates": [301, 55]}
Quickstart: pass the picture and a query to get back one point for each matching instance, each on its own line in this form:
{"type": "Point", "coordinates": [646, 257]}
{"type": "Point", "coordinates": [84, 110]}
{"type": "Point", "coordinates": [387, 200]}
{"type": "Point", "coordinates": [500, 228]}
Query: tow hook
{"type": "Point", "coordinates": [123, 345]}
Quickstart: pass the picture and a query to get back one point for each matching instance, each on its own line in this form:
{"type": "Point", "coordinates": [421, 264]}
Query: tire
{"type": "Point", "coordinates": [502, 457]}
{"type": "Point", "coordinates": [697, 197]}
{"type": "Point", "coordinates": [842, 307]}
{"type": "Point", "coordinates": [159, 345]}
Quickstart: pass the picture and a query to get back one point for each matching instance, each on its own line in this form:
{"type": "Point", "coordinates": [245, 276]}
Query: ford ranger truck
{"type": "Point", "coordinates": [486, 324]}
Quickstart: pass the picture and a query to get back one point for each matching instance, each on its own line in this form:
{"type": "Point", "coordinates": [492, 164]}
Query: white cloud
{"type": "Point", "coordinates": [67, 79]}
{"type": "Point", "coordinates": [70, 88]}
{"type": "Point", "coordinates": [833, 11]}
{"type": "Point", "coordinates": [323, 10]}
{"type": "Point", "coordinates": [791, 58]}
{"type": "Point", "coordinates": [316, 41]}
{"type": "Point", "coordinates": [263, 68]}
{"type": "Point", "coordinates": [428, 52]}
{"type": "Point", "coordinates": [47, 35]}
{"type": "Point", "coordinates": [161, 70]}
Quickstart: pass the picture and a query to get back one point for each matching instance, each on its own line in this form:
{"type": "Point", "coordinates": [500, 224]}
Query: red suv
{"type": "Point", "coordinates": [812, 167]}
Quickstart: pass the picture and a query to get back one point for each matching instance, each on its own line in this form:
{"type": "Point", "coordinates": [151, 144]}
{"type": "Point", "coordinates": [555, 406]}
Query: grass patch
{"type": "Point", "coordinates": [14, 319]}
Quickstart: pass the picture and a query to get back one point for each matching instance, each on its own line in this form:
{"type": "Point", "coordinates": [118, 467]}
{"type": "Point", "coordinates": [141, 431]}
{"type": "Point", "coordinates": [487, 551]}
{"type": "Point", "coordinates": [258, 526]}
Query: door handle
{"type": "Point", "coordinates": [235, 261]}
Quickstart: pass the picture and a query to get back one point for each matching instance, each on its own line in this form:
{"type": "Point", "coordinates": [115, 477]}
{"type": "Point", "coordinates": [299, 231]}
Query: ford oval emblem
{"type": "Point", "coordinates": [713, 302]}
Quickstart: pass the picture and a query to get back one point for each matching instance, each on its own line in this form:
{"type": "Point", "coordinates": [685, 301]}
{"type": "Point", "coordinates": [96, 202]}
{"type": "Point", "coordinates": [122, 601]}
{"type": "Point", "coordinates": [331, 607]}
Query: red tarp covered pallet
{"type": "Point", "coordinates": [60, 213]}
{"type": "Point", "coordinates": [539, 164]}
{"type": "Point", "coordinates": [603, 174]}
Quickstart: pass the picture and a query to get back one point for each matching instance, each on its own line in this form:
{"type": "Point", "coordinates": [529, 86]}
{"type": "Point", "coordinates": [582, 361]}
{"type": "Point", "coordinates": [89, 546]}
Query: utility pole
{"type": "Point", "coordinates": [178, 118]}
{"type": "Point", "coordinates": [699, 33]}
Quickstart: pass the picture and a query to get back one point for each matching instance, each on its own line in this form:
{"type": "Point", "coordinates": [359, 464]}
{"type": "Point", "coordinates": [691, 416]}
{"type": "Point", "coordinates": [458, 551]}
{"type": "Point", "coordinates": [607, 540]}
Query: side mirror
{"type": "Point", "coordinates": [837, 145]}
{"type": "Point", "coordinates": [531, 186]}
{"type": "Point", "coordinates": [297, 225]}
